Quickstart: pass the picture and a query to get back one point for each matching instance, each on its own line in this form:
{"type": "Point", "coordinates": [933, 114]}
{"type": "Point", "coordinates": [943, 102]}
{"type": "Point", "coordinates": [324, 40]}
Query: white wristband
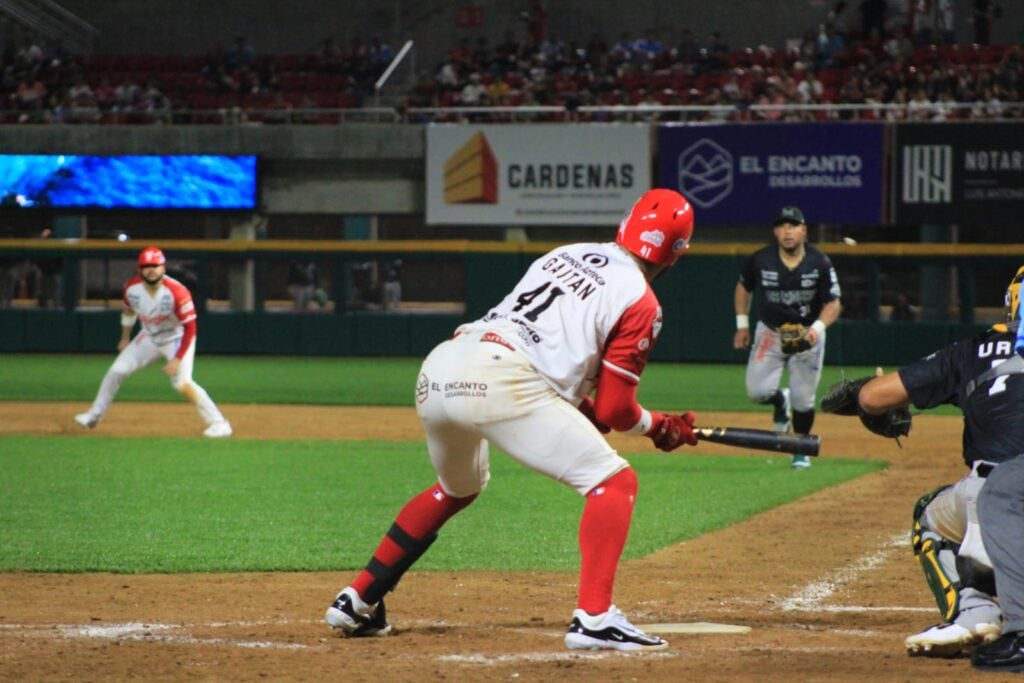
{"type": "Point", "coordinates": [643, 425]}
{"type": "Point", "coordinates": [127, 320]}
{"type": "Point", "coordinates": [818, 327]}
{"type": "Point", "coordinates": [742, 322]}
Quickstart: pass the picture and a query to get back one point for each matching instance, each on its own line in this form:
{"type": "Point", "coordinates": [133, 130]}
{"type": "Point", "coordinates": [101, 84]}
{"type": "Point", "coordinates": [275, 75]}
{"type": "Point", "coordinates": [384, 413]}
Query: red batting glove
{"type": "Point", "coordinates": [587, 408]}
{"type": "Point", "coordinates": [669, 432]}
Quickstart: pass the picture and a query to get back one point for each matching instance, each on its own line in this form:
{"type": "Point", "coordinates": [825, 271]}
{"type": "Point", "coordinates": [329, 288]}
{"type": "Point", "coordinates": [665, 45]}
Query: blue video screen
{"type": "Point", "coordinates": [181, 181]}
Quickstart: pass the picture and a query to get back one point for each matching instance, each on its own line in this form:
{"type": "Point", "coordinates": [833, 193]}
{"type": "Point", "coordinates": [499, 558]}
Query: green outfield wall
{"type": "Point", "coordinates": [696, 297]}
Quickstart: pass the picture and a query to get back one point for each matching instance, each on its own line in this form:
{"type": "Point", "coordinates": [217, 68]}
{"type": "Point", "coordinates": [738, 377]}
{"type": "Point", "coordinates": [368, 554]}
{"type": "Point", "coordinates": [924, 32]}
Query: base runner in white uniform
{"type": "Point", "coordinates": [582, 317]}
{"type": "Point", "coordinates": [163, 307]}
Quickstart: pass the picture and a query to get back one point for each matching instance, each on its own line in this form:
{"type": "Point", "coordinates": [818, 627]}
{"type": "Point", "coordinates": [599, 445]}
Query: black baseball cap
{"type": "Point", "coordinates": [790, 214]}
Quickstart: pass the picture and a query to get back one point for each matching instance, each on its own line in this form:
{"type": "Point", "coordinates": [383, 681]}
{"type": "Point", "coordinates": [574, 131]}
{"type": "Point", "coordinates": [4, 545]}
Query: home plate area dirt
{"type": "Point", "coordinates": [827, 586]}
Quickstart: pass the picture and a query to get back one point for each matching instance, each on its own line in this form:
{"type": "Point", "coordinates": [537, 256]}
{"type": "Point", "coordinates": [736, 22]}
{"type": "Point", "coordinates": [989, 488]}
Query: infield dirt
{"type": "Point", "coordinates": [828, 585]}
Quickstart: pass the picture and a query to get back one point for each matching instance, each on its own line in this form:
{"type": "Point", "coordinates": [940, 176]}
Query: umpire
{"type": "Point", "coordinates": [798, 291]}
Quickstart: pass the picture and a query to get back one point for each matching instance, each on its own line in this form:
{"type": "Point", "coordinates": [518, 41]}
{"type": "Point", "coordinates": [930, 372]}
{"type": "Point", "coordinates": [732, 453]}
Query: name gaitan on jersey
{"type": "Point", "coordinates": [163, 314]}
{"type": "Point", "coordinates": [565, 312]}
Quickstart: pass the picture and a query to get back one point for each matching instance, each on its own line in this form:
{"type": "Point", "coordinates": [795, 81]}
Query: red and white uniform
{"type": "Point", "coordinates": [168, 320]}
{"type": "Point", "coordinates": [578, 308]}
{"type": "Point", "coordinates": [514, 377]}
{"type": "Point", "coordinates": [164, 316]}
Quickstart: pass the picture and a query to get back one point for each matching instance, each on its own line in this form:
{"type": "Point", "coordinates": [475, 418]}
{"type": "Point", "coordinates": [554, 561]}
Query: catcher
{"type": "Point", "coordinates": [962, 531]}
{"type": "Point", "coordinates": [799, 298]}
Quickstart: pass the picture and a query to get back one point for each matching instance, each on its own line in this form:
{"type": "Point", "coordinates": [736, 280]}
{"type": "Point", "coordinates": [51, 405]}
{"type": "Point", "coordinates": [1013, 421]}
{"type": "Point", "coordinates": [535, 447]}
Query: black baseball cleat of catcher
{"type": "Point", "coordinates": [608, 631]}
{"type": "Point", "coordinates": [355, 618]}
{"type": "Point", "coordinates": [1006, 653]}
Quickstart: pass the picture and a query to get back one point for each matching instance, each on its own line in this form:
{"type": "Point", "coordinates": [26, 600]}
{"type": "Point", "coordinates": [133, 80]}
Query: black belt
{"type": "Point", "coordinates": [984, 469]}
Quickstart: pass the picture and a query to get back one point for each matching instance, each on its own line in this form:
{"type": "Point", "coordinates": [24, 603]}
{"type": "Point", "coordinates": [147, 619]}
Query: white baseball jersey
{"type": "Point", "coordinates": [164, 314]}
{"type": "Point", "coordinates": [576, 308]}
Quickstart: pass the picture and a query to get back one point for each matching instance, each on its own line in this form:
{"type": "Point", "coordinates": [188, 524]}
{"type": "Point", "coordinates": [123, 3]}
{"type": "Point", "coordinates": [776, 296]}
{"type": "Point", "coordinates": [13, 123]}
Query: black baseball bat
{"type": "Point", "coordinates": [761, 439]}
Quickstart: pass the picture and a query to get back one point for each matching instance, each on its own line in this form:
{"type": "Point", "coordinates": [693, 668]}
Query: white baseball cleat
{"type": "Point", "coordinates": [218, 430]}
{"type": "Point", "coordinates": [608, 631]}
{"type": "Point", "coordinates": [949, 640]}
{"type": "Point", "coordinates": [86, 420]}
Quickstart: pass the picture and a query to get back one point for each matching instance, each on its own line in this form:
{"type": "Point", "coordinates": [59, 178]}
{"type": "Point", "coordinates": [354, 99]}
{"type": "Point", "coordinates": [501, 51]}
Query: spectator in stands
{"type": "Point", "coordinates": [380, 55]}
{"type": "Point", "coordinates": [82, 100]}
{"type": "Point", "coordinates": [126, 96]}
{"type": "Point", "coordinates": [155, 103]}
{"type": "Point", "coordinates": [472, 92]}
{"type": "Point", "coordinates": [687, 51]}
{"type": "Point", "coordinates": [648, 48]}
{"type": "Point", "coordinates": [988, 106]}
{"type": "Point", "coordinates": [830, 45]}
{"type": "Point", "coordinates": [241, 54]}
{"type": "Point", "coordinates": [919, 108]}
{"type": "Point", "coordinates": [104, 94]}
{"type": "Point", "coordinates": [329, 57]}
{"type": "Point", "coordinates": [279, 110]}
{"type": "Point", "coordinates": [715, 53]}
{"type": "Point", "coordinates": [810, 89]}
{"type": "Point", "coordinates": [29, 98]}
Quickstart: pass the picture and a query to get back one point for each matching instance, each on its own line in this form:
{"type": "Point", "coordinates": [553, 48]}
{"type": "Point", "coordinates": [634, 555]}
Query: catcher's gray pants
{"type": "Point", "coordinates": [1001, 513]}
{"type": "Point", "coordinates": [766, 362]}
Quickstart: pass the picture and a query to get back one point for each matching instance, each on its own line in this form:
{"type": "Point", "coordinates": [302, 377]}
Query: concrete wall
{"type": "Point", "coordinates": [347, 169]}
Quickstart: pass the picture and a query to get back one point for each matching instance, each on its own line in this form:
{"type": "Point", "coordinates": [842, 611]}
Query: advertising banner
{"type": "Point", "coordinates": [540, 174]}
{"type": "Point", "coordinates": [738, 174]}
{"type": "Point", "coordinates": [965, 173]}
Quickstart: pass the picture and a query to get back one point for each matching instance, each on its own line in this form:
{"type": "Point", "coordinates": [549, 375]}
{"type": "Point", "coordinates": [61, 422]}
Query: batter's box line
{"type": "Point", "coordinates": [812, 596]}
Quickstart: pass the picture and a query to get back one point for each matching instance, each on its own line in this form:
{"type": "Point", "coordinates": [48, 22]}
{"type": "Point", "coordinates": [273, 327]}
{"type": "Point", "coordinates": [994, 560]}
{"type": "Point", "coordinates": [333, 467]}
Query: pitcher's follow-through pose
{"type": "Point", "coordinates": [163, 307]}
{"type": "Point", "coordinates": [583, 316]}
{"type": "Point", "coordinates": [798, 298]}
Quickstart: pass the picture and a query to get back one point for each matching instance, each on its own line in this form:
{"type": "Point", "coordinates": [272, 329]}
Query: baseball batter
{"type": "Point", "coordinates": [964, 530]}
{"type": "Point", "coordinates": [164, 309]}
{"type": "Point", "coordinates": [582, 317]}
{"type": "Point", "coordinates": [797, 285]}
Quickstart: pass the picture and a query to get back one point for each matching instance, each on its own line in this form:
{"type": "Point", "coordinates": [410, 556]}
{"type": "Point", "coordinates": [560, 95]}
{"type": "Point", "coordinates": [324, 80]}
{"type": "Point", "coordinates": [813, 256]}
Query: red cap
{"type": "Point", "coordinates": [151, 256]}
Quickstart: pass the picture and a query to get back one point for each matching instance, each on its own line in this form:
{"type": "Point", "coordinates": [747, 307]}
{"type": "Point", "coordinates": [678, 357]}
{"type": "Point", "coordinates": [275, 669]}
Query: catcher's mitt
{"type": "Point", "coordinates": [842, 399]}
{"type": "Point", "coordinates": [794, 338]}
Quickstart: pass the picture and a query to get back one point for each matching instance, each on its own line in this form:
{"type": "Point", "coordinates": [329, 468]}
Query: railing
{"type": "Point", "coordinates": [53, 21]}
{"type": "Point", "coordinates": [534, 113]}
{"type": "Point", "coordinates": [388, 71]}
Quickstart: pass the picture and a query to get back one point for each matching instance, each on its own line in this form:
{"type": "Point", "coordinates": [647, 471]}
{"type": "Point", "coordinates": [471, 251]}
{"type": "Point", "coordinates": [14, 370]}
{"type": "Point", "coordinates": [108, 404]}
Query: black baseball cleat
{"type": "Point", "coordinates": [608, 631]}
{"type": "Point", "coordinates": [1006, 653]}
{"type": "Point", "coordinates": [355, 618]}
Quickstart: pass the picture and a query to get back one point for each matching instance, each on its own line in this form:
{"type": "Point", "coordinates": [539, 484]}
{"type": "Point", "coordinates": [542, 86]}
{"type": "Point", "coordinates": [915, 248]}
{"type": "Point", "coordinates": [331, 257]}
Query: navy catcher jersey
{"type": "Point", "coordinates": [994, 413]}
{"type": "Point", "coordinates": [790, 296]}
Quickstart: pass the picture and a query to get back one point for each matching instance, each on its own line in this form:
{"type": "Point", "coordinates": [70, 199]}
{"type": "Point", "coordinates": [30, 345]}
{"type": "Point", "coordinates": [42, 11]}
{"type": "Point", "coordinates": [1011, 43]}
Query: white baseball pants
{"type": "Point", "coordinates": [471, 392]}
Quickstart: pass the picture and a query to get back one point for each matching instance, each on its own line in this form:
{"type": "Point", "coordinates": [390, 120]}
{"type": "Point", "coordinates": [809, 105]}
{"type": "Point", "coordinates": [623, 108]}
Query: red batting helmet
{"type": "Point", "coordinates": [151, 256]}
{"type": "Point", "coordinates": [658, 227]}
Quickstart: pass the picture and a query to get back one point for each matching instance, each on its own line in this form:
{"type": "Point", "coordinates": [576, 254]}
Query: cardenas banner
{"type": "Point", "coordinates": [738, 174]}
{"type": "Point", "coordinates": [540, 174]}
{"type": "Point", "coordinates": [963, 172]}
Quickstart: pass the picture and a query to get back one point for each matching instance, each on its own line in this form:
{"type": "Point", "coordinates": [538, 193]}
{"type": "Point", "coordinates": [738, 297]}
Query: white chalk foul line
{"type": "Point", "coordinates": [144, 632]}
{"type": "Point", "coordinates": [811, 597]}
{"type": "Point", "coordinates": [493, 660]}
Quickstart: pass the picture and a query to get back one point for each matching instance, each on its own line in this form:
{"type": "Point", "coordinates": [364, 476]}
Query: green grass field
{"type": "Point", "coordinates": [190, 504]}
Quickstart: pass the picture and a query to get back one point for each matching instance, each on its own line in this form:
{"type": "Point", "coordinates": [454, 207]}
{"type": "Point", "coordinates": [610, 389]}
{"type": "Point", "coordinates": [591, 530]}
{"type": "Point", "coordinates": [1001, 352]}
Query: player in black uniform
{"type": "Point", "coordinates": [796, 283]}
{"type": "Point", "coordinates": [949, 523]}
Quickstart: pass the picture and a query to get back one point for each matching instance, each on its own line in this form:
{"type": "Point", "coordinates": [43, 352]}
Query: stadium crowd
{"type": "Point", "coordinates": [908, 71]}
